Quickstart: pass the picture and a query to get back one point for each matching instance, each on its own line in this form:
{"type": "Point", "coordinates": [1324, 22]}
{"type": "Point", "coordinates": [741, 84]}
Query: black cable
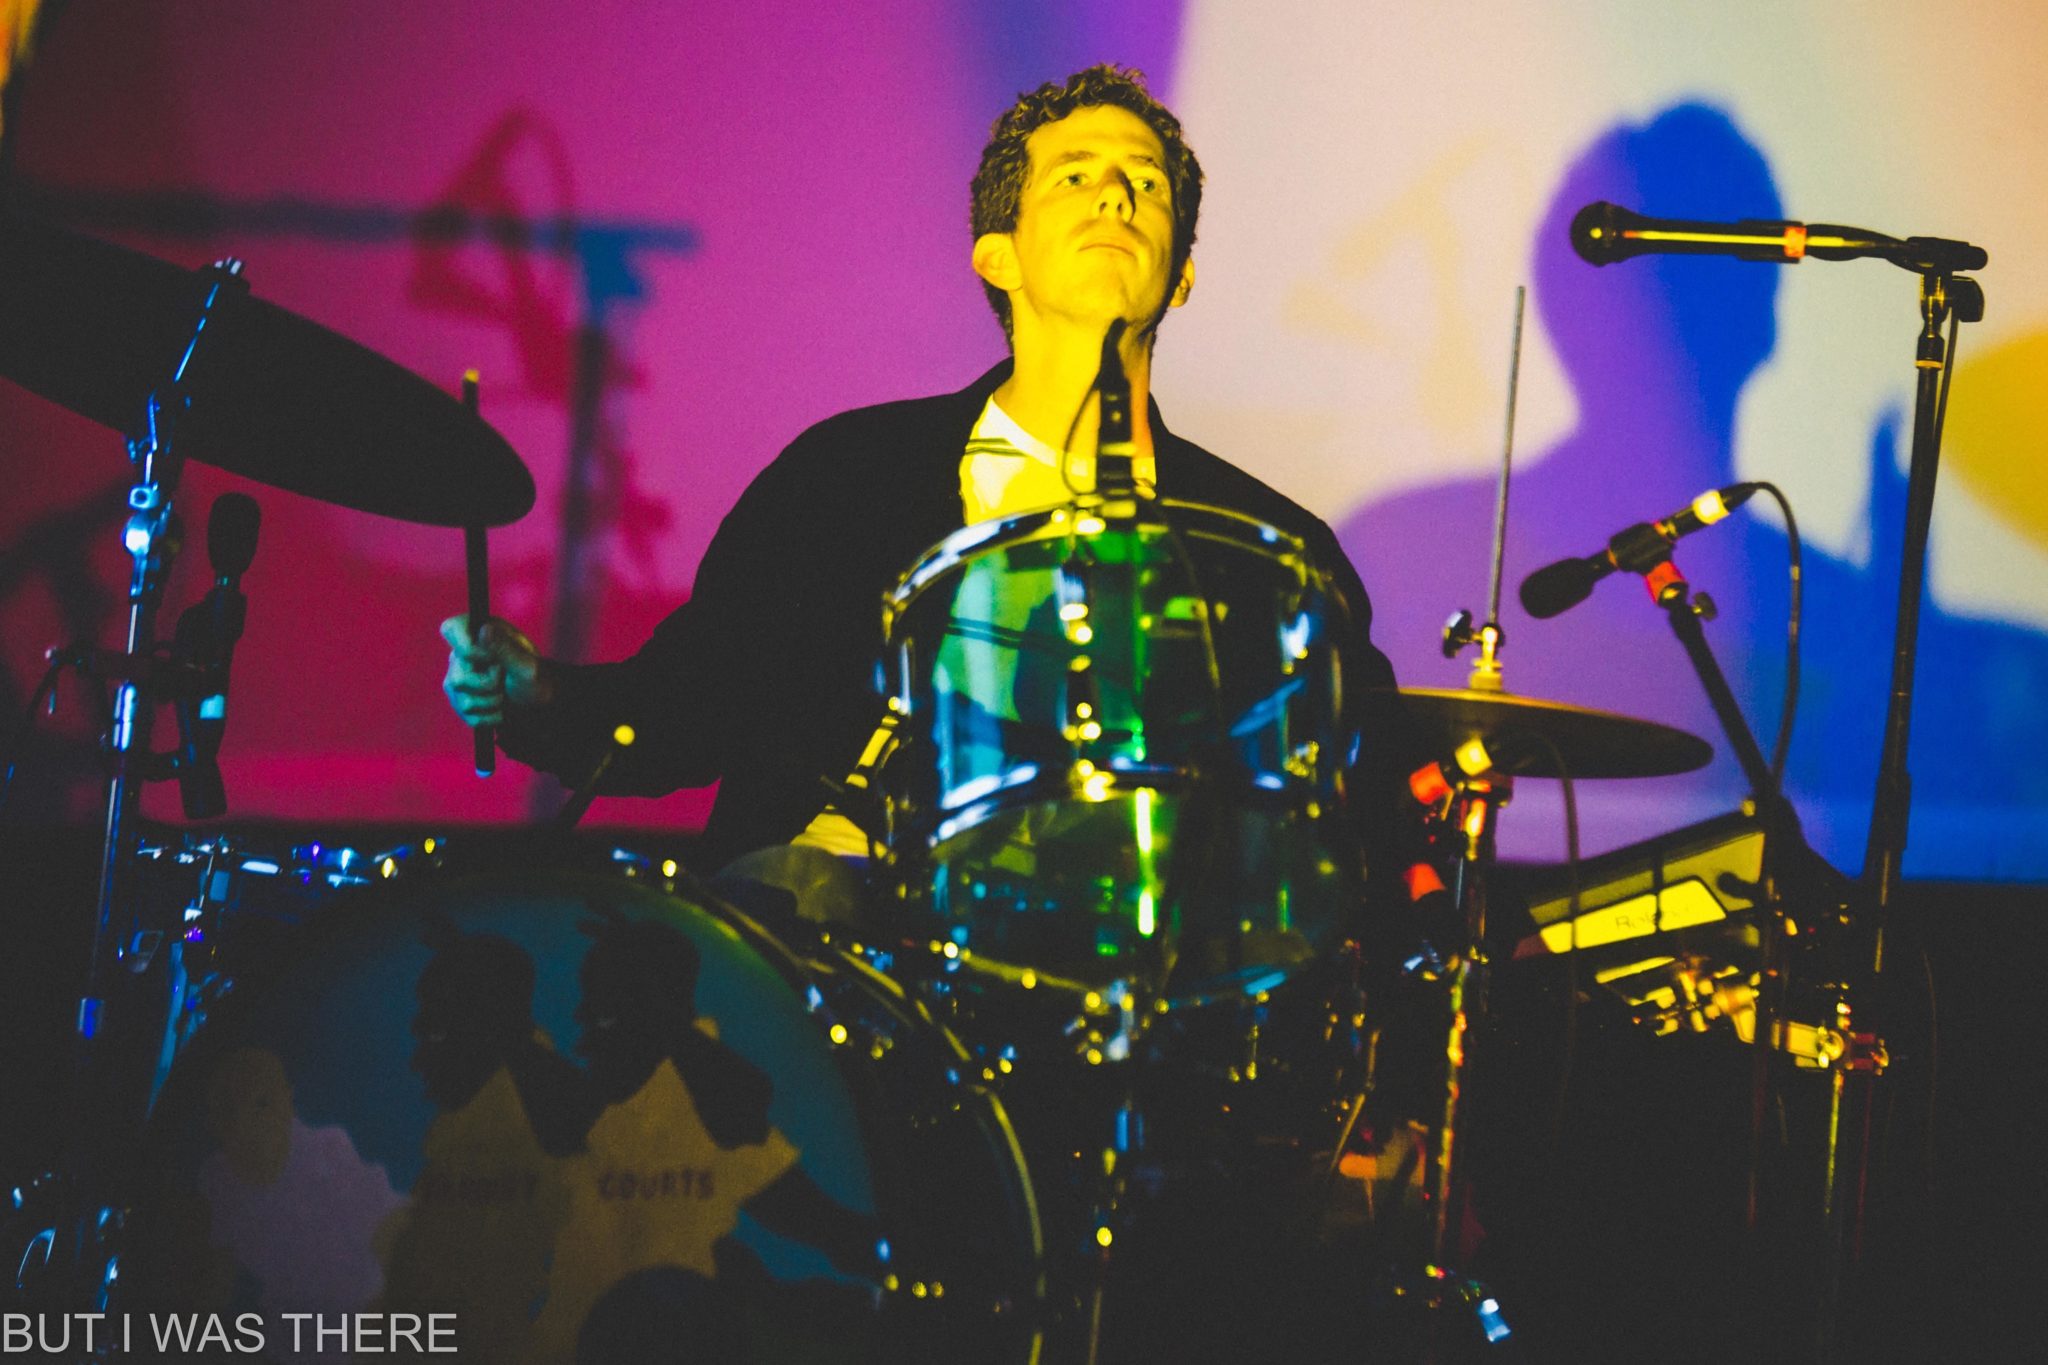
{"type": "Point", "coordinates": [1067, 444]}
{"type": "Point", "coordinates": [1786, 712]}
{"type": "Point", "coordinates": [1948, 372]}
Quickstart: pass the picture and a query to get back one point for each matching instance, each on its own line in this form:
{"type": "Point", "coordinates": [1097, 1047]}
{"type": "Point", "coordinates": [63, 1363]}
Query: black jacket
{"type": "Point", "coordinates": [764, 680]}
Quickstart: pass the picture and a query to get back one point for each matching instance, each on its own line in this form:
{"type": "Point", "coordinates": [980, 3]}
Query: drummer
{"type": "Point", "coordinates": [1083, 214]}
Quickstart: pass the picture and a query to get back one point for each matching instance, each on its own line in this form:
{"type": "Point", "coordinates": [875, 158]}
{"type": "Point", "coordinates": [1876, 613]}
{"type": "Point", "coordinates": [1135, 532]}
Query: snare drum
{"type": "Point", "coordinates": [592, 1120]}
{"type": "Point", "coordinates": [1120, 750]}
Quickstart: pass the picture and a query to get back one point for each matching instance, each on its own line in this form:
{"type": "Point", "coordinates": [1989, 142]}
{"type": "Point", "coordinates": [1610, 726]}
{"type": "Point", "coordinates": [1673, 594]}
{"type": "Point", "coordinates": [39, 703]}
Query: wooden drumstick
{"type": "Point", "coordinates": [484, 736]}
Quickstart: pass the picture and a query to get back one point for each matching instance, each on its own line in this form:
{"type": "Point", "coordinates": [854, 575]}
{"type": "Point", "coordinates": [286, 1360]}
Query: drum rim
{"type": "Point", "coordinates": [1023, 528]}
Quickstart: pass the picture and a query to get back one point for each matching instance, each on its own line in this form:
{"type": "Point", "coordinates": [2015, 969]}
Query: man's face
{"type": "Point", "coordinates": [1094, 234]}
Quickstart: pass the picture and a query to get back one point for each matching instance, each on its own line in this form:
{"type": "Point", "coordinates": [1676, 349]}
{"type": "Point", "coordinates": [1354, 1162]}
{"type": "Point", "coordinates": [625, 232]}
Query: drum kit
{"type": "Point", "coordinates": [1088, 1064]}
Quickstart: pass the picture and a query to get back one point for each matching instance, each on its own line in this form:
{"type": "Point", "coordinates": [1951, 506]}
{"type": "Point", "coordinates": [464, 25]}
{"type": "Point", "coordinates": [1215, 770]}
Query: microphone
{"type": "Point", "coordinates": [206, 635]}
{"type": "Point", "coordinates": [1559, 587]}
{"type": "Point", "coordinates": [1603, 233]}
{"type": "Point", "coordinates": [1114, 450]}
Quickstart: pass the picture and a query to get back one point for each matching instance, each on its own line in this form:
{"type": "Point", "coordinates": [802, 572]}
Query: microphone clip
{"type": "Point", "coordinates": [1640, 548]}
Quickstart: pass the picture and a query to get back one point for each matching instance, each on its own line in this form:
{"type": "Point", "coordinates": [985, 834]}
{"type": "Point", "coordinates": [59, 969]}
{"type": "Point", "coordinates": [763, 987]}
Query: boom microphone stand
{"type": "Point", "coordinates": [1954, 299]}
{"type": "Point", "coordinates": [1863, 1055]}
{"type": "Point", "coordinates": [1604, 233]}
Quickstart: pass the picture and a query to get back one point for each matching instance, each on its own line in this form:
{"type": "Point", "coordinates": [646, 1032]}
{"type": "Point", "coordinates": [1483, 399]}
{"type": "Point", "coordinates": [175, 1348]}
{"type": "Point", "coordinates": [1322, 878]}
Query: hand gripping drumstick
{"type": "Point", "coordinates": [479, 598]}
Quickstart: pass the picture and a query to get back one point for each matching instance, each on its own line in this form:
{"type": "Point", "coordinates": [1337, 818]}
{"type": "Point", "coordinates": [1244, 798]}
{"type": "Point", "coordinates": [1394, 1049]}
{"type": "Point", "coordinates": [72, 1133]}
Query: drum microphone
{"type": "Point", "coordinates": [1559, 587]}
{"type": "Point", "coordinates": [1604, 233]}
{"type": "Point", "coordinates": [1114, 450]}
{"type": "Point", "coordinates": [206, 636]}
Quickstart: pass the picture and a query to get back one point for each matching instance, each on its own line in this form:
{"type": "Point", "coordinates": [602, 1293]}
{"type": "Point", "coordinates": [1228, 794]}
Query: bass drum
{"type": "Point", "coordinates": [592, 1121]}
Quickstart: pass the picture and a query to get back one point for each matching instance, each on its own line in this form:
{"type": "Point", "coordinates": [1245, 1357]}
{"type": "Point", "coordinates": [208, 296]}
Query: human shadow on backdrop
{"type": "Point", "coordinates": [1658, 351]}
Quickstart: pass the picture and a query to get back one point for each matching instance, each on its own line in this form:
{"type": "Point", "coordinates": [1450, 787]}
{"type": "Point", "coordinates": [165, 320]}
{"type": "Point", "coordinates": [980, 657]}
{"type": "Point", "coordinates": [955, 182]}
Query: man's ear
{"type": "Point", "coordinates": [1186, 285]}
{"type": "Point", "coordinates": [995, 260]}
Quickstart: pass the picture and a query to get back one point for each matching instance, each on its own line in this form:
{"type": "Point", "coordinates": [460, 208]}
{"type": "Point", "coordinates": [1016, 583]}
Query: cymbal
{"type": "Point", "coordinates": [274, 397]}
{"type": "Point", "coordinates": [1592, 743]}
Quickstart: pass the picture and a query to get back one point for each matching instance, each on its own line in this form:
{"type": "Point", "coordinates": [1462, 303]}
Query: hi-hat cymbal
{"type": "Point", "coordinates": [1592, 743]}
{"type": "Point", "coordinates": [97, 328]}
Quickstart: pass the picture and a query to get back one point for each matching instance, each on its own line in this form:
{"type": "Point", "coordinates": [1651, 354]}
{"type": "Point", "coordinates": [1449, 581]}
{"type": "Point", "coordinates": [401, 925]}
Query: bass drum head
{"type": "Point", "coordinates": [592, 1122]}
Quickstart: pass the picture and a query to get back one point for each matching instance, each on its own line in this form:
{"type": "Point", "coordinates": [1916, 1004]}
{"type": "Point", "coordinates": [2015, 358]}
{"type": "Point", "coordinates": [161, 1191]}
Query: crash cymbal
{"type": "Point", "coordinates": [1593, 743]}
{"type": "Point", "coordinates": [274, 397]}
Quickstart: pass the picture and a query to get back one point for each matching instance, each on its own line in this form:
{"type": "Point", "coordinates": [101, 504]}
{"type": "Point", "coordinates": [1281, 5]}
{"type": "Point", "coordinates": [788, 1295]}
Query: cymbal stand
{"type": "Point", "coordinates": [104, 1123]}
{"type": "Point", "coordinates": [1473, 806]}
{"type": "Point", "coordinates": [1477, 794]}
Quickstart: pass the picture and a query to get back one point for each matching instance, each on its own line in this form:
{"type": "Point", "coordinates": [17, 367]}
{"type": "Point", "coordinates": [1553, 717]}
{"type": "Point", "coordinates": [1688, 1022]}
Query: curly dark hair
{"type": "Point", "coordinates": [1005, 164]}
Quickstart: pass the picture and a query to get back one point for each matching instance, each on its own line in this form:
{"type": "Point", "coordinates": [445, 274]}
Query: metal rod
{"type": "Point", "coordinates": [1943, 299]}
{"type": "Point", "coordinates": [1467, 1003]}
{"type": "Point", "coordinates": [1507, 457]}
{"type": "Point", "coordinates": [1677, 604]}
